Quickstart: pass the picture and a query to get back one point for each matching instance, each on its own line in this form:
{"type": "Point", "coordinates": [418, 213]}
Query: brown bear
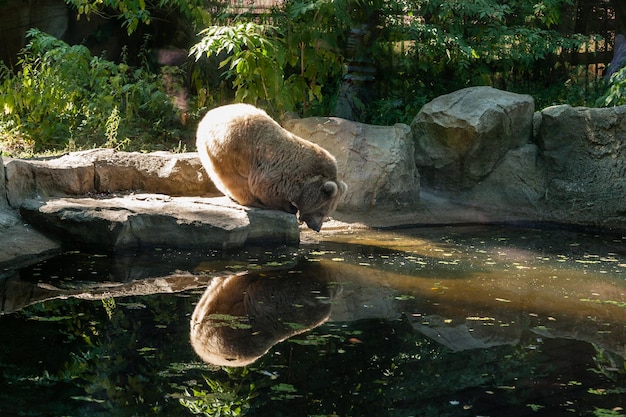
{"type": "Point", "coordinates": [254, 161]}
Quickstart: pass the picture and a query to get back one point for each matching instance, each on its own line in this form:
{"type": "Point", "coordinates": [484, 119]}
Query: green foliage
{"type": "Point", "coordinates": [255, 58]}
{"type": "Point", "coordinates": [603, 412]}
{"type": "Point", "coordinates": [474, 37]}
{"type": "Point", "coordinates": [134, 12]}
{"type": "Point", "coordinates": [64, 97]}
{"type": "Point", "coordinates": [439, 46]}
{"type": "Point", "coordinates": [221, 399]}
{"type": "Point", "coordinates": [615, 94]}
{"type": "Point", "coordinates": [386, 111]}
{"type": "Point", "coordinates": [579, 89]}
{"type": "Point", "coordinates": [277, 67]}
{"type": "Point", "coordinates": [314, 36]}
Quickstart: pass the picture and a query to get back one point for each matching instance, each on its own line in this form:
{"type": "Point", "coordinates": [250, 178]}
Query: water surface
{"type": "Point", "coordinates": [463, 321]}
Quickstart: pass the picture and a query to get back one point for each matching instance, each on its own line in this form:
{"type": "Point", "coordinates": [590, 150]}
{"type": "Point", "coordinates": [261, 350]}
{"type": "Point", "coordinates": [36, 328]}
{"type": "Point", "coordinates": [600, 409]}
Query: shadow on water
{"type": "Point", "coordinates": [429, 321]}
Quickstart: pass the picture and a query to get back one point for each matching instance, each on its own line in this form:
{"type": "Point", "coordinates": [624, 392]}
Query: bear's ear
{"type": "Point", "coordinates": [330, 188]}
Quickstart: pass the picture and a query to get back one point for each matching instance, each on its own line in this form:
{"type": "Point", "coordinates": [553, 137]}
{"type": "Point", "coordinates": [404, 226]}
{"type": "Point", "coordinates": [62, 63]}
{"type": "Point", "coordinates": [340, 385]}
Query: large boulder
{"type": "Point", "coordinates": [461, 137]}
{"type": "Point", "coordinates": [163, 172]}
{"type": "Point", "coordinates": [375, 161]}
{"type": "Point", "coordinates": [584, 162]}
{"type": "Point", "coordinates": [19, 243]}
{"type": "Point", "coordinates": [34, 178]}
{"type": "Point", "coordinates": [573, 173]}
{"type": "Point", "coordinates": [106, 171]}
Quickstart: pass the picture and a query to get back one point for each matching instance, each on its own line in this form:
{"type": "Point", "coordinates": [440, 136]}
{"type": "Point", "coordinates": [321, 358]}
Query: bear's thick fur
{"type": "Point", "coordinates": [257, 163]}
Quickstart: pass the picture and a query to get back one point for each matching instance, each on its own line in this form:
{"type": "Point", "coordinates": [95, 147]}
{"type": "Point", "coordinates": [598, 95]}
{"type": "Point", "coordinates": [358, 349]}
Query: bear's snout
{"type": "Point", "coordinates": [313, 221]}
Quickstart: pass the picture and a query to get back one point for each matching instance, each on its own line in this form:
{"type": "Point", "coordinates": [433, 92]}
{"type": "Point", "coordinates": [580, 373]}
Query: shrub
{"type": "Point", "coordinates": [62, 97]}
{"type": "Point", "coordinates": [277, 68]}
{"type": "Point", "coordinates": [615, 94]}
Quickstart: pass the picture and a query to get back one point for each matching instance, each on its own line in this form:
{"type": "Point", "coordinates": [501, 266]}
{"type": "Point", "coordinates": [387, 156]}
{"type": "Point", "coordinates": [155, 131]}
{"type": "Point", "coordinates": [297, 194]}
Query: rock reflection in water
{"type": "Point", "coordinates": [473, 290]}
{"type": "Point", "coordinates": [93, 277]}
{"type": "Point", "coordinates": [465, 288]}
{"type": "Point", "coordinates": [239, 318]}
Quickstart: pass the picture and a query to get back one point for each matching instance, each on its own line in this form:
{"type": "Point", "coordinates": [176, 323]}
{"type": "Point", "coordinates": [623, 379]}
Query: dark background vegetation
{"type": "Point", "coordinates": [138, 75]}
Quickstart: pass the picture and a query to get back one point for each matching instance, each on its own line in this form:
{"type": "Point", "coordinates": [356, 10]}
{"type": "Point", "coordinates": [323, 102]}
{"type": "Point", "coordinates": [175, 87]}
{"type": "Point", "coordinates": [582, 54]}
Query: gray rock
{"type": "Point", "coordinates": [105, 199]}
{"type": "Point", "coordinates": [619, 56]}
{"type": "Point", "coordinates": [575, 173]}
{"type": "Point", "coordinates": [516, 185]}
{"type": "Point", "coordinates": [157, 172]}
{"type": "Point", "coordinates": [20, 244]}
{"type": "Point", "coordinates": [461, 137]}
{"type": "Point", "coordinates": [375, 161]}
{"type": "Point", "coordinates": [153, 220]}
{"type": "Point", "coordinates": [105, 171]}
{"type": "Point", "coordinates": [583, 155]}
{"type": "Point", "coordinates": [32, 178]}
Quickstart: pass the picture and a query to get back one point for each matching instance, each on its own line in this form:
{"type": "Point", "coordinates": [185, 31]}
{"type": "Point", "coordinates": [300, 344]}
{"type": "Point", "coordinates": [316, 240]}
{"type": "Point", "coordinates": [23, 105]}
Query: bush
{"type": "Point", "coordinates": [615, 94]}
{"type": "Point", "coordinates": [284, 66]}
{"type": "Point", "coordinates": [64, 98]}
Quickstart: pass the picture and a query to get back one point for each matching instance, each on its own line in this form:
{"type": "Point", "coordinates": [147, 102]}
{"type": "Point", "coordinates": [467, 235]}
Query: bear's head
{"type": "Point", "coordinates": [318, 200]}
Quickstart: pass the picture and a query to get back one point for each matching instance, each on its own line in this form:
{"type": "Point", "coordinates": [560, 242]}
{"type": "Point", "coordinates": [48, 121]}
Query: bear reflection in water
{"type": "Point", "coordinates": [239, 318]}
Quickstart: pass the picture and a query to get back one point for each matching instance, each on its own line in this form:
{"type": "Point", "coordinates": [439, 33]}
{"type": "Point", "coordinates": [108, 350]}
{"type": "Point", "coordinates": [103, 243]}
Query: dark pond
{"type": "Point", "coordinates": [463, 321]}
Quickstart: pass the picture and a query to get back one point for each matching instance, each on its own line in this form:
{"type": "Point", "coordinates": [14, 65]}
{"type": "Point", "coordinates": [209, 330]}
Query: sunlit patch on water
{"type": "Point", "coordinates": [462, 321]}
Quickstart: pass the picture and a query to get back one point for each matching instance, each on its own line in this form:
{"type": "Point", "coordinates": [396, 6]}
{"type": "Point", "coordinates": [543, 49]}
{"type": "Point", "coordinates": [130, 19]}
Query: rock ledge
{"type": "Point", "coordinates": [137, 221]}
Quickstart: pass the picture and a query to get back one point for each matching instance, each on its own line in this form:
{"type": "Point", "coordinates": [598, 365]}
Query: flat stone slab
{"type": "Point", "coordinates": [155, 220]}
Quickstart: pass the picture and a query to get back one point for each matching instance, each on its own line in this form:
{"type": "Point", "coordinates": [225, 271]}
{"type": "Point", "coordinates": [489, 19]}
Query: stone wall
{"type": "Point", "coordinates": [476, 147]}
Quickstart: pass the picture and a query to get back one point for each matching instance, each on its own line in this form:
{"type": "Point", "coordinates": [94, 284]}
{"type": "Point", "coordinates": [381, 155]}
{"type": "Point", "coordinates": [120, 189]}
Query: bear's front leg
{"type": "Point", "coordinates": [282, 205]}
{"type": "Point", "coordinates": [289, 208]}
